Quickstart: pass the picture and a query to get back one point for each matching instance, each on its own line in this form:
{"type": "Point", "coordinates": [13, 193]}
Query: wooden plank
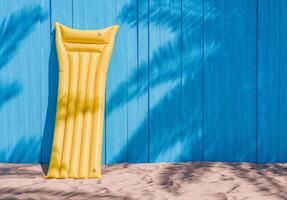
{"type": "Point", "coordinates": [62, 12]}
{"type": "Point", "coordinates": [9, 144]}
{"type": "Point", "coordinates": [116, 121]}
{"type": "Point", "coordinates": [24, 110]}
{"type": "Point", "coordinates": [218, 116]}
{"type": "Point", "coordinates": [192, 77]}
{"type": "Point", "coordinates": [268, 80]}
{"type": "Point", "coordinates": [15, 139]}
{"type": "Point", "coordinates": [134, 22]}
{"type": "Point", "coordinates": [241, 66]}
{"type": "Point", "coordinates": [142, 153]}
{"type": "Point", "coordinates": [49, 83]}
{"type": "Point", "coordinates": [283, 83]}
{"type": "Point", "coordinates": [32, 150]}
{"type": "Point", "coordinates": [4, 66]}
{"type": "Point", "coordinates": [78, 12]}
{"type": "Point", "coordinates": [165, 80]}
{"type": "Point", "coordinates": [138, 129]}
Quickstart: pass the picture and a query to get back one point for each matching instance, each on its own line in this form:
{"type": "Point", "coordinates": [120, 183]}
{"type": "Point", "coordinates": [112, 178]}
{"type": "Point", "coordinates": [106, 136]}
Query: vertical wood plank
{"type": "Point", "coordinates": [116, 122]}
{"type": "Point", "coordinates": [268, 80]}
{"type": "Point", "coordinates": [48, 86]}
{"type": "Point", "coordinates": [165, 80]}
{"type": "Point", "coordinates": [218, 126]}
{"type": "Point", "coordinates": [107, 21]}
{"type": "Point", "coordinates": [78, 21]}
{"type": "Point", "coordinates": [4, 142]}
{"type": "Point", "coordinates": [283, 82]}
{"type": "Point", "coordinates": [33, 87]}
{"type": "Point", "coordinates": [241, 66]}
{"type": "Point", "coordinates": [62, 11]}
{"type": "Point", "coordinates": [16, 140]}
{"type": "Point", "coordinates": [24, 110]}
{"type": "Point", "coordinates": [192, 77]}
{"type": "Point", "coordinates": [137, 81]}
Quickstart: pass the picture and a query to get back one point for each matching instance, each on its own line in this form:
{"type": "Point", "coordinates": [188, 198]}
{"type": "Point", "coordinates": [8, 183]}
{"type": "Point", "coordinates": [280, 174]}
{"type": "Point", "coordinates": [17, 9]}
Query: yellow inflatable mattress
{"type": "Point", "coordinates": [83, 57]}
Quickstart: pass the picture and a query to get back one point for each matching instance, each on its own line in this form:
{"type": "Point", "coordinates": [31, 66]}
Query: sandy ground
{"type": "Point", "coordinates": [151, 181]}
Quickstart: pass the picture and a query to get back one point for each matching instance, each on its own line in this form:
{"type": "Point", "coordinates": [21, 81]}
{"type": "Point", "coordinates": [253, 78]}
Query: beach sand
{"type": "Point", "coordinates": [197, 180]}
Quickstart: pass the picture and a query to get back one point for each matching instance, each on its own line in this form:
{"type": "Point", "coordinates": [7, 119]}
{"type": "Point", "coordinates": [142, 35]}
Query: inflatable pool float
{"type": "Point", "coordinates": [83, 57]}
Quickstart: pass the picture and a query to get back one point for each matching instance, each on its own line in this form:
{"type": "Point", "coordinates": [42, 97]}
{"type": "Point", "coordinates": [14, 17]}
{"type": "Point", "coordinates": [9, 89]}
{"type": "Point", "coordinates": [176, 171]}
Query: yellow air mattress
{"type": "Point", "coordinates": [83, 57]}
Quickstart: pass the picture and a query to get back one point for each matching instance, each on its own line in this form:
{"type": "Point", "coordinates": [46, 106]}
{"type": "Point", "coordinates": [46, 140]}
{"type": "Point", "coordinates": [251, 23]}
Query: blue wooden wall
{"type": "Point", "coordinates": [189, 80]}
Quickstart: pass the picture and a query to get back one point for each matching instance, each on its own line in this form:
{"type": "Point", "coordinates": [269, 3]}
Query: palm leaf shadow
{"type": "Point", "coordinates": [13, 30]}
{"type": "Point", "coordinates": [161, 72]}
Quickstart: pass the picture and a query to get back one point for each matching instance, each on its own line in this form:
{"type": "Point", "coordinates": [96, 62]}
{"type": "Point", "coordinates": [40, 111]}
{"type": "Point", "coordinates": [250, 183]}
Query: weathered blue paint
{"type": "Point", "coordinates": [188, 80]}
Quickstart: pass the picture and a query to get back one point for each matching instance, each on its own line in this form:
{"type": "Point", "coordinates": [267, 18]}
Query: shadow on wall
{"type": "Point", "coordinates": [13, 30]}
{"type": "Point", "coordinates": [47, 140]}
{"type": "Point", "coordinates": [161, 72]}
{"type": "Point", "coordinates": [8, 91]}
{"type": "Point", "coordinates": [20, 152]}
{"type": "Point", "coordinates": [185, 52]}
